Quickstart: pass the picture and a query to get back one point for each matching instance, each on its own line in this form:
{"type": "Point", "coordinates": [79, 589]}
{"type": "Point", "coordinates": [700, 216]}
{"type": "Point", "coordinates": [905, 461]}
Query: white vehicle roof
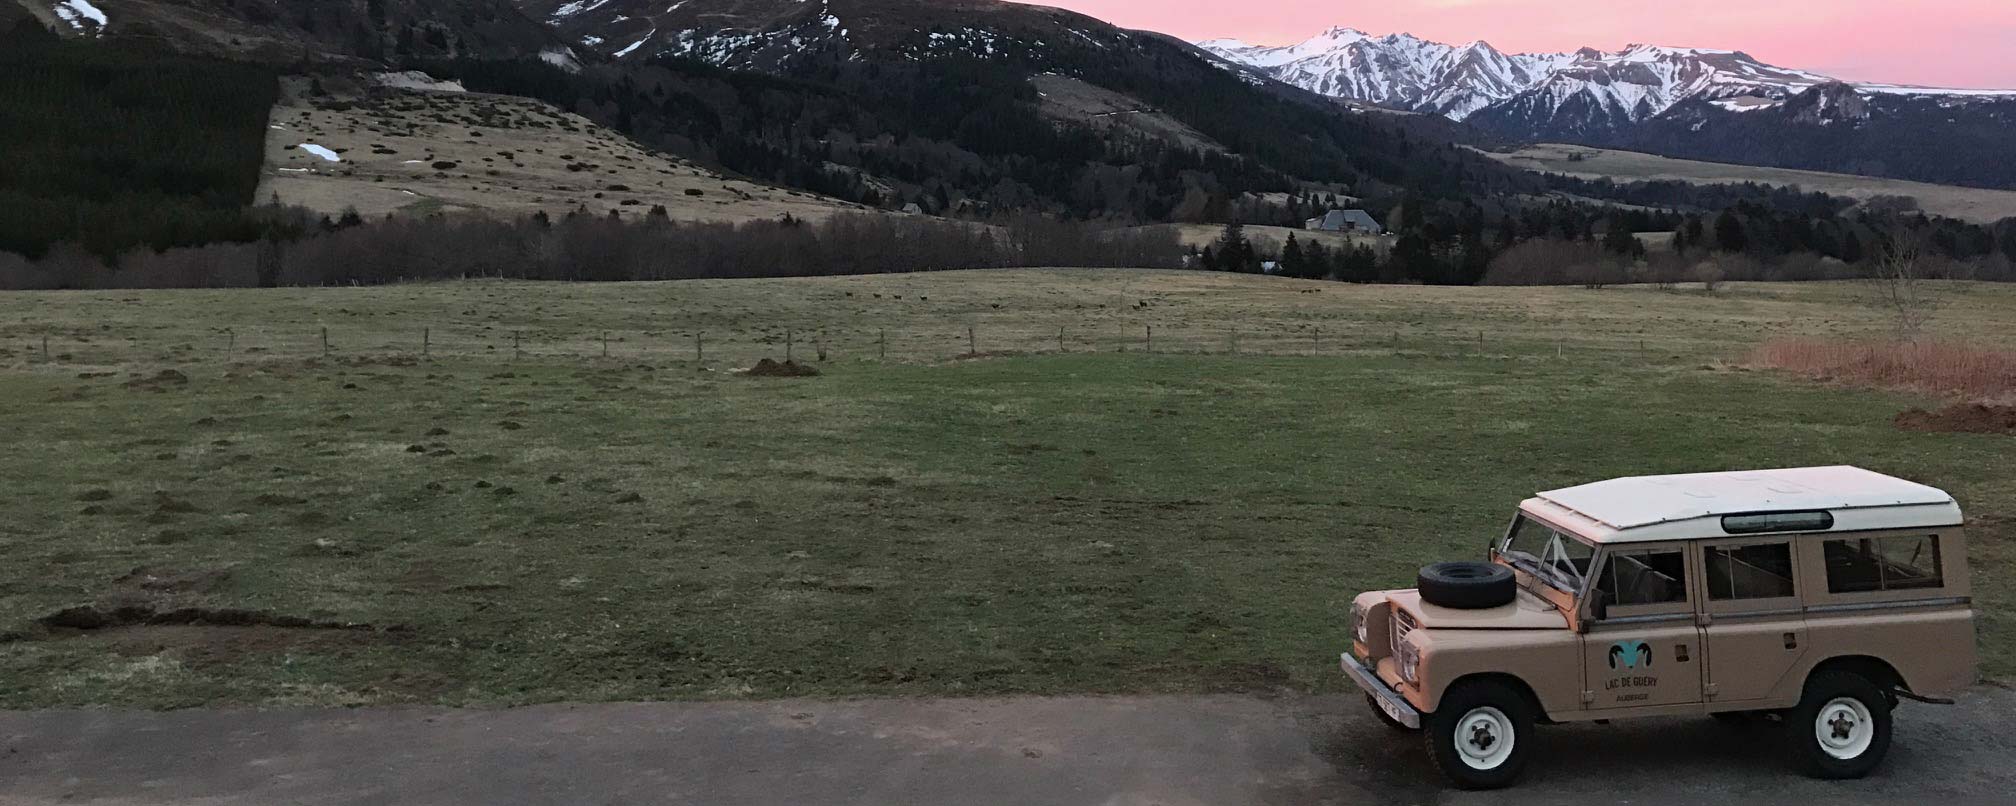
{"type": "Point", "coordinates": [1691, 505]}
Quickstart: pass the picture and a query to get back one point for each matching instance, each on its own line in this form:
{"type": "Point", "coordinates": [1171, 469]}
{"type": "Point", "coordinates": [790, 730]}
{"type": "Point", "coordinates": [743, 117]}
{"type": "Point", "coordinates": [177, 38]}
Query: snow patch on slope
{"type": "Point", "coordinates": [324, 153]}
{"type": "Point", "coordinates": [81, 15]}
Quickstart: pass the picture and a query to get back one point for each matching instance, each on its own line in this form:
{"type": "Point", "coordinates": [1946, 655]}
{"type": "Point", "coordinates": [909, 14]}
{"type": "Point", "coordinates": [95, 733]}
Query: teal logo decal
{"type": "Point", "coordinates": [1630, 655]}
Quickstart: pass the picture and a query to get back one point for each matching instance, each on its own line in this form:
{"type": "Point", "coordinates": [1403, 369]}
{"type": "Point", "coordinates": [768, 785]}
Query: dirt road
{"type": "Point", "coordinates": [1117, 751]}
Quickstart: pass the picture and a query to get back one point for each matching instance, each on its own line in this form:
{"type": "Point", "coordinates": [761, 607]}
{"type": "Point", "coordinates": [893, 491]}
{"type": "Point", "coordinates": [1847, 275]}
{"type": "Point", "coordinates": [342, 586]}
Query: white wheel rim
{"type": "Point", "coordinates": [1844, 728]}
{"type": "Point", "coordinates": [1484, 738]}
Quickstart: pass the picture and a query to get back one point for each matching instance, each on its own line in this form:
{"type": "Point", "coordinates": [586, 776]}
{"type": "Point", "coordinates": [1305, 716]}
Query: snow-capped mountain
{"type": "Point", "coordinates": [1553, 93]}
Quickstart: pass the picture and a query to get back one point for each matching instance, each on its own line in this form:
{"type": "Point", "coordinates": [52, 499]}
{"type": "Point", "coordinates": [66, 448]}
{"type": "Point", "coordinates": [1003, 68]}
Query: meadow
{"type": "Point", "coordinates": [461, 499]}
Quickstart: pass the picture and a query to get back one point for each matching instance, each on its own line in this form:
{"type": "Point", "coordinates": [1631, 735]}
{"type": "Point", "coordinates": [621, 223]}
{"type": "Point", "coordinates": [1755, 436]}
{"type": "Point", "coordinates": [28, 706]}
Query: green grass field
{"type": "Point", "coordinates": [563, 526]}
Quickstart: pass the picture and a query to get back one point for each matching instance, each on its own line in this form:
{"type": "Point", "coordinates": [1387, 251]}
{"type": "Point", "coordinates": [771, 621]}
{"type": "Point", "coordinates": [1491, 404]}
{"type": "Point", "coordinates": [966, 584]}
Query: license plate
{"type": "Point", "coordinates": [1390, 709]}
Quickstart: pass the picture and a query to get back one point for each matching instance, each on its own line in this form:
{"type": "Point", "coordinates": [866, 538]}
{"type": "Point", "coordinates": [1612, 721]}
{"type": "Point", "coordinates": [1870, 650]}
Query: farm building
{"type": "Point", "coordinates": [1345, 221]}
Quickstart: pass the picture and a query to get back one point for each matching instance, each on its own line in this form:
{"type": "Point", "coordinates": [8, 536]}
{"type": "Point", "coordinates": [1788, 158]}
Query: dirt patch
{"type": "Point", "coordinates": [158, 382]}
{"type": "Point", "coordinates": [1960, 418]}
{"type": "Point", "coordinates": [88, 618]}
{"type": "Point", "coordinates": [767, 368]}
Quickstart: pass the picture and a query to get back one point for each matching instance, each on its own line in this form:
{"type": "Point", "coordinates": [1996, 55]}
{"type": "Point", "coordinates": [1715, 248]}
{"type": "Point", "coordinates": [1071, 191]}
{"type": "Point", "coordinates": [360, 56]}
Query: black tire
{"type": "Point", "coordinates": [1827, 705]}
{"type": "Point", "coordinates": [1373, 703]}
{"type": "Point", "coordinates": [1440, 730]}
{"type": "Point", "coordinates": [1466, 585]}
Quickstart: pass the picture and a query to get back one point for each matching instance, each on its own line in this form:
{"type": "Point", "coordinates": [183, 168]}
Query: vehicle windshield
{"type": "Point", "coordinates": [1560, 559]}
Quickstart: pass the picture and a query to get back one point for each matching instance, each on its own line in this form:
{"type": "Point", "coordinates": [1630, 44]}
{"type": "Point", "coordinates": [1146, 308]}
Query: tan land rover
{"type": "Point", "coordinates": [1813, 597]}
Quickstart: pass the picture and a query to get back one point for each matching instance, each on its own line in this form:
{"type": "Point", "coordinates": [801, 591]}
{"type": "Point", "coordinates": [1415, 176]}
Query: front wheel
{"type": "Point", "coordinates": [1841, 727]}
{"type": "Point", "coordinates": [1481, 735]}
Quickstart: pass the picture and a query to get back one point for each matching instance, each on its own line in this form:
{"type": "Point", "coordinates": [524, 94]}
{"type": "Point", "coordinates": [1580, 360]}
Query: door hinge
{"type": "Point", "coordinates": [1588, 697]}
{"type": "Point", "coordinates": [1711, 690]}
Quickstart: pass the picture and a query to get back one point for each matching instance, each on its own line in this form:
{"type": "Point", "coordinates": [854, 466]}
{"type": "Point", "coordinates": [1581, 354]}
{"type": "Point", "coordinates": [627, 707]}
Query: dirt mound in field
{"type": "Point", "coordinates": [767, 368]}
{"type": "Point", "coordinates": [159, 381]}
{"type": "Point", "coordinates": [1963, 418]}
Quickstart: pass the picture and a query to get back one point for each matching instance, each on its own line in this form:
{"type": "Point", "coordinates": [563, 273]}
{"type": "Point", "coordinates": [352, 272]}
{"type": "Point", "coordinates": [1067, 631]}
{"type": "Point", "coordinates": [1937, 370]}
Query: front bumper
{"type": "Point", "coordinates": [1383, 695]}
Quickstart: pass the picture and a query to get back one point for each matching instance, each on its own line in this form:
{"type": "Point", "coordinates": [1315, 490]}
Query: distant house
{"type": "Point", "coordinates": [913, 209]}
{"type": "Point", "coordinates": [1345, 221]}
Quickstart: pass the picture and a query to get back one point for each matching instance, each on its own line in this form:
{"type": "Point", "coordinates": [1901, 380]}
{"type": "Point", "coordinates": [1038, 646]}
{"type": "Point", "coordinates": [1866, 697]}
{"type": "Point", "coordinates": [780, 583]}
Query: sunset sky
{"type": "Point", "coordinates": [1951, 43]}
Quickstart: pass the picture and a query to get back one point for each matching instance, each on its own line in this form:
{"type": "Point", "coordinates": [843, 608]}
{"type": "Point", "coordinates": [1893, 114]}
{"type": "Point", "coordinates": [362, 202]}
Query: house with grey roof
{"type": "Point", "coordinates": [1345, 221]}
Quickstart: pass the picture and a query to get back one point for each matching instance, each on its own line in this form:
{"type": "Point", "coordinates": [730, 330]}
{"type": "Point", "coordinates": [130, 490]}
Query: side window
{"type": "Point", "coordinates": [1632, 578]}
{"type": "Point", "coordinates": [1866, 564]}
{"type": "Point", "coordinates": [1762, 571]}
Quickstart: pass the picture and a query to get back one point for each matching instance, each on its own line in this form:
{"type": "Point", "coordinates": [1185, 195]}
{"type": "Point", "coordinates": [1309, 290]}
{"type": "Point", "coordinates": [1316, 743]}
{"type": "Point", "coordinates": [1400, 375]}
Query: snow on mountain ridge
{"type": "Point", "coordinates": [1459, 82]}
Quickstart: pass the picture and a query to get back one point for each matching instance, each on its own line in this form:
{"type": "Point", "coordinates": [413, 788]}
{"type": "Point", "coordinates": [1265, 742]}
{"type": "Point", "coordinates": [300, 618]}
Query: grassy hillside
{"type": "Point", "coordinates": [113, 149]}
{"type": "Point", "coordinates": [422, 151]}
{"type": "Point", "coordinates": [481, 526]}
{"type": "Point", "coordinates": [1977, 205]}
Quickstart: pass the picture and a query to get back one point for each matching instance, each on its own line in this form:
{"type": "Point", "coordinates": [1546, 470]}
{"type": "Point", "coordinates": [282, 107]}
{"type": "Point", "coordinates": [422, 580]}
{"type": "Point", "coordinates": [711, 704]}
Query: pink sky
{"type": "Point", "coordinates": [1948, 43]}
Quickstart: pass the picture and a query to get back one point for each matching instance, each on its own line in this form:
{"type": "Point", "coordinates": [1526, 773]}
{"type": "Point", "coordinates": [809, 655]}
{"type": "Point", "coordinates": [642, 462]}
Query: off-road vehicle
{"type": "Point", "coordinates": [1815, 598]}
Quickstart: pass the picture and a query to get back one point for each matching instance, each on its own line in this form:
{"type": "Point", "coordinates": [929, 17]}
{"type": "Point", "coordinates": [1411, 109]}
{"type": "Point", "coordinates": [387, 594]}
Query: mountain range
{"type": "Point", "coordinates": [1722, 105]}
{"type": "Point", "coordinates": [1699, 103]}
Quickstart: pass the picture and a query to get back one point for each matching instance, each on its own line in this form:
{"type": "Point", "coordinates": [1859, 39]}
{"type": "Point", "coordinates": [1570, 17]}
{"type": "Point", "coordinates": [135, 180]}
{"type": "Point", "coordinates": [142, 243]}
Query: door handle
{"type": "Point", "coordinates": [1791, 640]}
{"type": "Point", "coordinates": [1680, 653]}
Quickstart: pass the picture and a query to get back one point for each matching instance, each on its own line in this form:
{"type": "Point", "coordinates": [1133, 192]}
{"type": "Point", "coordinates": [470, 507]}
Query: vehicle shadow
{"type": "Point", "coordinates": [1660, 761]}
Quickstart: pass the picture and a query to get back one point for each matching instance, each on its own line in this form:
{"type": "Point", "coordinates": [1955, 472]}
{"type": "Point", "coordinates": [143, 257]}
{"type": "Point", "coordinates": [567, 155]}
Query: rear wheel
{"type": "Point", "coordinates": [1481, 735]}
{"type": "Point", "coordinates": [1841, 727]}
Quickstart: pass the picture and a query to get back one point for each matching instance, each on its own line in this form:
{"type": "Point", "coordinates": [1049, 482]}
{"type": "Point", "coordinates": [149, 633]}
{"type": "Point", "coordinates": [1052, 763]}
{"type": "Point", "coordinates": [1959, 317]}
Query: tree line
{"type": "Point", "coordinates": [113, 148]}
{"type": "Point", "coordinates": [584, 247]}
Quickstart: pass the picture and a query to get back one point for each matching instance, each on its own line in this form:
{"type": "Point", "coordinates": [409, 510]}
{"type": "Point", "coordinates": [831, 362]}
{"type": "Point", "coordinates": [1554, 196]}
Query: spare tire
{"type": "Point", "coordinates": [1466, 585]}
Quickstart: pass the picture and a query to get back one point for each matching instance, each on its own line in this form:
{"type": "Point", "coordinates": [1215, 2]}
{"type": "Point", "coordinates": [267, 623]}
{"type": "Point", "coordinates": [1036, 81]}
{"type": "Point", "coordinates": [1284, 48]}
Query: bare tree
{"type": "Point", "coordinates": [1897, 283]}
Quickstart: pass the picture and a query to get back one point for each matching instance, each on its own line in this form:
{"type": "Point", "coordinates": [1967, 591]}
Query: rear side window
{"type": "Point", "coordinates": [1762, 571]}
{"type": "Point", "coordinates": [1644, 578]}
{"type": "Point", "coordinates": [1866, 564]}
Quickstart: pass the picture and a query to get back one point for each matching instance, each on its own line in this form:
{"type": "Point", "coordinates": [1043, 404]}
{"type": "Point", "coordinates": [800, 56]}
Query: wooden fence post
{"type": "Point", "coordinates": [787, 345]}
{"type": "Point", "coordinates": [699, 352]}
{"type": "Point", "coordinates": [325, 341]}
{"type": "Point", "coordinates": [972, 342]}
{"type": "Point", "coordinates": [426, 341]}
{"type": "Point", "coordinates": [882, 343]}
{"type": "Point", "coordinates": [605, 344]}
{"type": "Point", "coordinates": [1060, 338]}
{"type": "Point", "coordinates": [517, 348]}
{"type": "Point", "coordinates": [1151, 338]}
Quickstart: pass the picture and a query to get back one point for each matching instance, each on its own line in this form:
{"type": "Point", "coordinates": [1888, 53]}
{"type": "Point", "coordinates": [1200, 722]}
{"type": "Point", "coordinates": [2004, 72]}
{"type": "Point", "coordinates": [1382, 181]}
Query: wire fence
{"type": "Point", "coordinates": [734, 347]}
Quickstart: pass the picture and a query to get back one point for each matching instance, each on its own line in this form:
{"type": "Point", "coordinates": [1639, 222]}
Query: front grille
{"type": "Point", "coordinates": [1403, 623]}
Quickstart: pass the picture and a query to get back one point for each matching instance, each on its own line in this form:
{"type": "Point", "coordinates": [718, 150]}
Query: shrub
{"type": "Point", "coordinates": [1940, 368]}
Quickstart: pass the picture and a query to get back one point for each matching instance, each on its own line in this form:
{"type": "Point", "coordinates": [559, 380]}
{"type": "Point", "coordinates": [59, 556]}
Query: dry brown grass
{"type": "Point", "coordinates": [418, 152]}
{"type": "Point", "coordinates": [1940, 368]}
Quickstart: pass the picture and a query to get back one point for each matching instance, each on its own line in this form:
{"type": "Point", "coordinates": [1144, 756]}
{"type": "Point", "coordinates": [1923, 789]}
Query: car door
{"type": "Point", "coordinates": [1643, 645]}
{"type": "Point", "coordinates": [1753, 624]}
